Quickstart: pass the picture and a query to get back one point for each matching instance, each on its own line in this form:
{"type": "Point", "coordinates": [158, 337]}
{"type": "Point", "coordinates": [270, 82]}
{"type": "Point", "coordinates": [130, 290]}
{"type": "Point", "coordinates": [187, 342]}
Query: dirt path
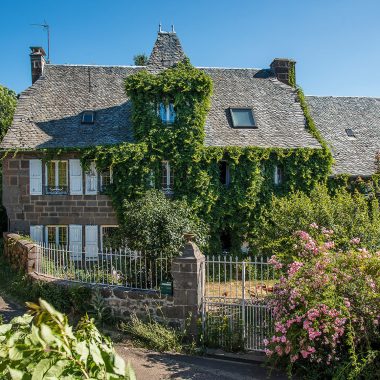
{"type": "Point", "coordinates": [9, 308]}
{"type": "Point", "coordinates": [149, 365]}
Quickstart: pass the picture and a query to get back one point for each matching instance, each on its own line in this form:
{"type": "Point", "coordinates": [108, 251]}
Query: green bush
{"type": "Point", "coordinates": [347, 214]}
{"type": "Point", "coordinates": [42, 345]}
{"type": "Point", "coordinates": [326, 309]}
{"type": "Point", "coordinates": [153, 335]}
{"type": "Point", "coordinates": [154, 224]}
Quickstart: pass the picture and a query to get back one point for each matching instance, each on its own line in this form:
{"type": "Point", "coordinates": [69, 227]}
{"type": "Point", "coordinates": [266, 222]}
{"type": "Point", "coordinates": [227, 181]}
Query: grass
{"type": "Point", "coordinates": [253, 289]}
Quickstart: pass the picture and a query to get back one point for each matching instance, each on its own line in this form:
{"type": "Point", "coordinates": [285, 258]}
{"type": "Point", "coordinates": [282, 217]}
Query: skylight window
{"type": "Point", "coordinates": [242, 118]}
{"type": "Point", "coordinates": [88, 117]}
{"type": "Point", "coordinates": [350, 132]}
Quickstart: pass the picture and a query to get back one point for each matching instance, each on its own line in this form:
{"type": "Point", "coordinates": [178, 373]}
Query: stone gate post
{"type": "Point", "coordinates": [188, 279]}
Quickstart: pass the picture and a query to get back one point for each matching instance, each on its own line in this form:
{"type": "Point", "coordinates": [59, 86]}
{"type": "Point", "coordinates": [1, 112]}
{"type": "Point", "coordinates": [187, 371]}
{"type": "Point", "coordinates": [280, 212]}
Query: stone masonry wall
{"type": "Point", "coordinates": [177, 310]}
{"type": "Point", "coordinates": [24, 209]}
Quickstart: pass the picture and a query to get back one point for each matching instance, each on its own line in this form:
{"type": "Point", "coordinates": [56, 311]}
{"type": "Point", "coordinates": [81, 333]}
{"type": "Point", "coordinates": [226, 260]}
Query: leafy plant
{"type": "Point", "coordinates": [326, 308]}
{"type": "Point", "coordinates": [155, 225]}
{"type": "Point", "coordinates": [140, 59]}
{"type": "Point", "coordinates": [98, 307]}
{"type": "Point", "coordinates": [42, 345]}
{"type": "Point", "coordinates": [153, 335]}
{"type": "Point", "coordinates": [346, 213]}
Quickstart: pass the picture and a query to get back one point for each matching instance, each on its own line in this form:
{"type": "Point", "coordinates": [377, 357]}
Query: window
{"type": "Point", "coordinates": [91, 180]}
{"type": "Point", "coordinates": [109, 238]}
{"type": "Point", "coordinates": [88, 117]}
{"type": "Point", "coordinates": [56, 235]}
{"type": "Point", "coordinates": [278, 175]}
{"type": "Point", "coordinates": [167, 178]}
{"type": "Point", "coordinates": [105, 179]}
{"type": "Point", "coordinates": [350, 132]}
{"type": "Point", "coordinates": [56, 177]}
{"type": "Point", "coordinates": [167, 113]}
{"type": "Point", "coordinates": [224, 173]}
{"type": "Point", "coordinates": [242, 118]}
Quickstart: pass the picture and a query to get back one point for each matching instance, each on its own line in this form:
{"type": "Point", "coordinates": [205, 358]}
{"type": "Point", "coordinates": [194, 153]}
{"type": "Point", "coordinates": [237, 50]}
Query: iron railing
{"type": "Point", "coordinates": [235, 311]}
{"type": "Point", "coordinates": [122, 267]}
{"type": "Point", "coordinates": [56, 190]}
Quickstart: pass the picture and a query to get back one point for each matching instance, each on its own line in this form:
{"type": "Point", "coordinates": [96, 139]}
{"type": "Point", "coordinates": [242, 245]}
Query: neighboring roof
{"type": "Point", "coordinates": [166, 51]}
{"type": "Point", "coordinates": [333, 115]}
{"type": "Point", "coordinates": [49, 113]}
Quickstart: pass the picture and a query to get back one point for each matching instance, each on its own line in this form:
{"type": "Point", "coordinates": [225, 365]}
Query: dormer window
{"type": "Point", "coordinates": [167, 113]}
{"type": "Point", "coordinates": [242, 118]}
{"type": "Point", "coordinates": [350, 132]}
{"type": "Point", "coordinates": [88, 117]}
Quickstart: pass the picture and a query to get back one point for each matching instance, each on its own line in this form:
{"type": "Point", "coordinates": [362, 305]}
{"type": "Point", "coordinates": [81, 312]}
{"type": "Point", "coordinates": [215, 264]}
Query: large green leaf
{"type": "Point", "coordinates": [41, 368]}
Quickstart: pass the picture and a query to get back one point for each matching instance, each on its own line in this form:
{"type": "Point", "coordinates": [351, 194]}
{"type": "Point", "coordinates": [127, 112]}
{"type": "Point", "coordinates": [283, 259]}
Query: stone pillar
{"type": "Point", "coordinates": [188, 278]}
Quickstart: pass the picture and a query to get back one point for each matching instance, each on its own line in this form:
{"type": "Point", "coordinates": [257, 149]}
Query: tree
{"type": "Point", "coordinates": [7, 109]}
{"type": "Point", "coordinates": [140, 59]}
{"type": "Point", "coordinates": [156, 225]}
{"type": "Point", "coordinates": [349, 215]}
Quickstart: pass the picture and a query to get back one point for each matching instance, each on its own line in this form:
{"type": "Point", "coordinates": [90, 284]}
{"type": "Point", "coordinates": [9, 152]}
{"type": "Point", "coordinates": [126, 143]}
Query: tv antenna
{"type": "Point", "coordinates": [46, 27]}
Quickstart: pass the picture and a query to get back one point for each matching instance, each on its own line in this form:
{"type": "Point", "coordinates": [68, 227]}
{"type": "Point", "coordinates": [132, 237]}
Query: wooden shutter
{"type": "Point", "coordinates": [35, 177]}
{"type": "Point", "coordinates": [76, 181]}
{"type": "Point", "coordinates": [75, 241]}
{"type": "Point", "coordinates": [171, 113]}
{"type": "Point", "coordinates": [92, 180]}
{"type": "Point", "coordinates": [91, 241]}
{"type": "Point", "coordinates": [36, 233]}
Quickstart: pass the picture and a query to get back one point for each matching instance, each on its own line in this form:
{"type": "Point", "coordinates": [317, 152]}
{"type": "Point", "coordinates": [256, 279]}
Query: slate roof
{"type": "Point", "coordinates": [49, 113]}
{"type": "Point", "coordinates": [333, 115]}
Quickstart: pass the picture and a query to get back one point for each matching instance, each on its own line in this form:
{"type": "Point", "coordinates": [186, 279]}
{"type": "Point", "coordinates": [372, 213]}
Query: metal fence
{"type": "Point", "coordinates": [235, 312]}
{"type": "Point", "coordinates": [122, 267]}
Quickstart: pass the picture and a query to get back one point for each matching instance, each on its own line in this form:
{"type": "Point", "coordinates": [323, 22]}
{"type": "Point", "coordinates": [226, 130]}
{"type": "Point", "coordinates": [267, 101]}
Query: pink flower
{"type": "Point", "coordinates": [314, 225]}
{"type": "Point", "coordinates": [355, 241]}
{"type": "Point", "coordinates": [266, 342]}
{"type": "Point", "coordinates": [293, 358]}
{"type": "Point", "coordinates": [305, 354]}
{"type": "Point", "coordinates": [273, 261]}
{"type": "Point", "coordinates": [347, 302]}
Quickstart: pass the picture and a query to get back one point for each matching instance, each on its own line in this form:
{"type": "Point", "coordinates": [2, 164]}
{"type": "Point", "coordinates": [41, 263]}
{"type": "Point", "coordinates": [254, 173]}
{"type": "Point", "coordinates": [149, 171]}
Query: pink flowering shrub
{"type": "Point", "coordinates": [326, 308]}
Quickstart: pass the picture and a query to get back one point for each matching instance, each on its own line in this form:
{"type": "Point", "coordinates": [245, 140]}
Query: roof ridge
{"type": "Point", "coordinates": [344, 96]}
{"type": "Point", "coordinates": [90, 65]}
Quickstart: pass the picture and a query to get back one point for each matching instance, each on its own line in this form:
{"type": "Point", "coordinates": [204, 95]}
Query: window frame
{"type": "Point", "coordinates": [227, 180]}
{"type": "Point", "coordinates": [168, 189]}
{"type": "Point", "coordinates": [102, 175]}
{"type": "Point", "coordinates": [57, 234]}
{"type": "Point", "coordinates": [102, 226]}
{"type": "Point", "coordinates": [254, 126]}
{"type": "Point", "coordinates": [56, 191]}
{"type": "Point", "coordinates": [167, 119]}
{"type": "Point", "coordinates": [92, 117]}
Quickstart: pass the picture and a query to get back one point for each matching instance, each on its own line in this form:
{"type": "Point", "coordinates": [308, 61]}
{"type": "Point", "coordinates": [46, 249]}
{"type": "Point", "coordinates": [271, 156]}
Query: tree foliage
{"type": "Point", "coordinates": [7, 109]}
{"type": "Point", "coordinates": [346, 213]}
{"type": "Point", "coordinates": [140, 59]}
{"type": "Point", "coordinates": [156, 225]}
{"type": "Point", "coordinates": [42, 345]}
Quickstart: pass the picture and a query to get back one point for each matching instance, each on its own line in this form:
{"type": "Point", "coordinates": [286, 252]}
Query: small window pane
{"type": "Point", "coordinates": [242, 117]}
{"type": "Point", "coordinates": [51, 235]}
{"type": "Point", "coordinates": [350, 132]}
{"type": "Point", "coordinates": [88, 117]}
{"type": "Point", "coordinates": [51, 173]}
{"type": "Point", "coordinates": [62, 173]}
{"type": "Point", "coordinates": [62, 235]}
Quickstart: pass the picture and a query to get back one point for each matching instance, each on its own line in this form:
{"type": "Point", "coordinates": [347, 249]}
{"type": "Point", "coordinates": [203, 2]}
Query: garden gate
{"type": "Point", "coordinates": [235, 311]}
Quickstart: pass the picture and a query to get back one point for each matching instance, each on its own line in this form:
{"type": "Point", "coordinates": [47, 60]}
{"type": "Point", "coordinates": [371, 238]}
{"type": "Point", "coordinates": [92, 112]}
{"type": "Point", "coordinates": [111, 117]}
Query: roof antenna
{"type": "Point", "coordinates": [47, 28]}
{"type": "Point", "coordinates": [173, 31]}
{"type": "Point", "coordinates": [159, 27]}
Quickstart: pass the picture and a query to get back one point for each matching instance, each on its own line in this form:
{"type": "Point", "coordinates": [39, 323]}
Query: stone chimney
{"type": "Point", "coordinates": [284, 69]}
{"type": "Point", "coordinates": [167, 51]}
{"type": "Point", "coordinates": [37, 61]}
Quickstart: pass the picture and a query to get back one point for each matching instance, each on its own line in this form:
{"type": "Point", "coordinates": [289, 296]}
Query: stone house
{"type": "Point", "coordinates": [77, 106]}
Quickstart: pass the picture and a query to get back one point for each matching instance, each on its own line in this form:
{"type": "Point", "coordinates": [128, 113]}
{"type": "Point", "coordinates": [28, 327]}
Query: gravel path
{"type": "Point", "coordinates": [149, 365]}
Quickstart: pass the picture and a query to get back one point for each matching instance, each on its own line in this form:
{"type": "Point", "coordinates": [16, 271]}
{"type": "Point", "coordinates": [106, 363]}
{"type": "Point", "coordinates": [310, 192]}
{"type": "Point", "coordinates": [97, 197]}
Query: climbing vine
{"type": "Point", "coordinates": [231, 209]}
{"type": "Point", "coordinates": [234, 208]}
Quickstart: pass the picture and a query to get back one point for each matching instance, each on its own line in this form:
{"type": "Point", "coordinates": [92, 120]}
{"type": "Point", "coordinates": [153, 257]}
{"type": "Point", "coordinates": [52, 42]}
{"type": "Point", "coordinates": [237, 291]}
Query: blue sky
{"type": "Point", "coordinates": [336, 43]}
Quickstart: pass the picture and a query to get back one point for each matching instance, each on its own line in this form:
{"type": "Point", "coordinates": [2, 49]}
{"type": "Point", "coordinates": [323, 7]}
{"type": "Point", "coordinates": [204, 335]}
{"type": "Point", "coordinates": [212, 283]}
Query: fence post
{"type": "Point", "coordinates": [187, 271]}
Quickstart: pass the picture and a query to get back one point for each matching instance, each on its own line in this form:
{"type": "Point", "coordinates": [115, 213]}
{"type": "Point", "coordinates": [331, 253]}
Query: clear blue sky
{"type": "Point", "coordinates": [336, 43]}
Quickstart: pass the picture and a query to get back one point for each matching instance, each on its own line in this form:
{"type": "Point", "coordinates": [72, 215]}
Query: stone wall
{"type": "Point", "coordinates": [24, 209]}
{"type": "Point", "coordinates": [183, 306]}
{"type": "Point", "coordinates": [20, 253]}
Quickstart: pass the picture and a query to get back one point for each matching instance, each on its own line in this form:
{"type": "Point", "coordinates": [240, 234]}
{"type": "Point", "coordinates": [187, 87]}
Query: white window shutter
{"type": "Point", "coordinates": [75, 238]}
{"type": "Point", "coordinates": [76, 181]}
{"type": "Point", "coordinates": [35, 177]}
{"type": "Point", "coordinates": [92, 180]}
{"type": "Point", "coordinates": [36, 233]}
{"type": "Point", "coordinates": [91, 240]}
